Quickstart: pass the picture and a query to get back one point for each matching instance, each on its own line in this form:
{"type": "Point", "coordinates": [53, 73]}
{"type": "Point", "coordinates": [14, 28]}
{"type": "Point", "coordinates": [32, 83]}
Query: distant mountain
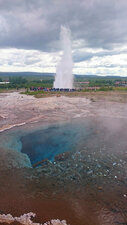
{"type": "Point", "coordinates": [114, 77]}
{"type": "Point", "coordinates": [8, 74]}
{"type": "Point", "coordinates": [98, 76]}
{"type": "Point", "coordinates": [85, 76]}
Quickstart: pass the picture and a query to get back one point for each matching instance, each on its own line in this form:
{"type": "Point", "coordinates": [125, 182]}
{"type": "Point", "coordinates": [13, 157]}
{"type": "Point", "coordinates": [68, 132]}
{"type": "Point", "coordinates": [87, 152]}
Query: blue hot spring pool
{"type": "Point", "coordinates": [54, 140]}
{"type": "Point", "coordinates": [45, 142]}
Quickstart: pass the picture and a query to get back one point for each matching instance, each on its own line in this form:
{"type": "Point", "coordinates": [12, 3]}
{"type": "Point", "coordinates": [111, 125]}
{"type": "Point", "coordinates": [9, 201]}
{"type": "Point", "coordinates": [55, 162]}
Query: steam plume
{"type": "Point", "coordinates": [64, 76]}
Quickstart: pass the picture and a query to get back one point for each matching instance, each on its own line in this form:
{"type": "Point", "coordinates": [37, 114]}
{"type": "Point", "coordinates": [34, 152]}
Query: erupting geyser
{"type": "Point", "coordinates": [64, 75]}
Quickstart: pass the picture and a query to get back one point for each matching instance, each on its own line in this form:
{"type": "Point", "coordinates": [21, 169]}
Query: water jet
{"type": "Point", "coordinates": [64, 75]}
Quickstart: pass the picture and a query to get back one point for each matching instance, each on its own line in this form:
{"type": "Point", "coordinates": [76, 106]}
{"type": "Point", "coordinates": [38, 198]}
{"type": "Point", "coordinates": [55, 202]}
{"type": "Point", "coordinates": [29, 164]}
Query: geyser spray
{"type": "Point", "coordinates": [64, 75]}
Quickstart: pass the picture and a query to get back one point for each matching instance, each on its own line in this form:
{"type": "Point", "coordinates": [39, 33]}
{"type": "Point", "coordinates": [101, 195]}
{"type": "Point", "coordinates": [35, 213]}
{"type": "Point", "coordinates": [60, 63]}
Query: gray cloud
{"type": "Point", "coordinates": [79, 56]}
{"type": "Point", "coordinates": [31, 24]}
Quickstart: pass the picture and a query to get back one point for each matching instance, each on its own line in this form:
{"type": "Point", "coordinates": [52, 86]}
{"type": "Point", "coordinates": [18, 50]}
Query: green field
{"type": "Point", "coordinates": [27, 80]}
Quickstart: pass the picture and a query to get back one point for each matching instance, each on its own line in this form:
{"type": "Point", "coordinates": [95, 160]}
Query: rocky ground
{"type": "Point", "coordinates": [84, 187]}
{"type": "Point", "coordinates": [18, 109]}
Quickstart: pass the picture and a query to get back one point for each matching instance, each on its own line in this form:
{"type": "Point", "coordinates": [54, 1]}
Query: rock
{"type": "Point", "coordinates": [40, 163]}
{"type": "Point", "coordinates": [13, 159]}
{"type": "Point", "coordinates": [62, 157]}
{"type": "Point", "coordinates": [90, 172]}
{"type": "Point", "coordinates": [100, 188]}
{"type": "Point", "coordinates": [1, 117]}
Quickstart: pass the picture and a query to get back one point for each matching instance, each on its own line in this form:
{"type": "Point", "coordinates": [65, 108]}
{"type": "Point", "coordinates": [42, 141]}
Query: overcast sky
{"type": "Point", "coordinates": [30, 29]}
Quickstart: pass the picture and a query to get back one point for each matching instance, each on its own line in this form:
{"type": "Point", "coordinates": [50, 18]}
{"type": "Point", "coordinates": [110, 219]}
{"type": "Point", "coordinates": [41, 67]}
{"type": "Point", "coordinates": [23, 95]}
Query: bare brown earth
{"type": "Point", "coordinates": [94, 200]}
{"type": "Point", "coordinates": [82, 205]}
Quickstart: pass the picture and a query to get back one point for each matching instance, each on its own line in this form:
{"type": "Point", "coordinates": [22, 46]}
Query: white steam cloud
{"type": "Point", "coordinates": [64, 75]}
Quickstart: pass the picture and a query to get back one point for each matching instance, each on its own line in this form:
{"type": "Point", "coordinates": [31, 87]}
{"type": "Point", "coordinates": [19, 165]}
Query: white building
{"type": "Point", "coordinates": [4, 82]}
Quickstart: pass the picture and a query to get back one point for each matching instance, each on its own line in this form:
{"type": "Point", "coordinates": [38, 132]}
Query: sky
{"type": "Point", "coordinates": [30, 30]}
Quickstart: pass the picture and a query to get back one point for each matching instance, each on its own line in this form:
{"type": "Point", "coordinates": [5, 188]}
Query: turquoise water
{"type": "Point", "coordinates": [46, 141]}
{"type": "Point", "coordinates": [53, 140]}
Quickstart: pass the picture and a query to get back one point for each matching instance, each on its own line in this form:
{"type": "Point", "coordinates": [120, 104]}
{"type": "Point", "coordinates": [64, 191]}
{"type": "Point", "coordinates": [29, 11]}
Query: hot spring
{"type": "Point", "coordinates": [45, 142]}
{"type": "Point", "coordinates": [91, 180]}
